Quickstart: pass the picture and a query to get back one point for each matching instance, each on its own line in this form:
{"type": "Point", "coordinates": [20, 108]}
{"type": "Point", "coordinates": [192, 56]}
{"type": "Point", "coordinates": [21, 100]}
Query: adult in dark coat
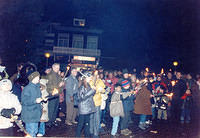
{"type": "Point", "coordinates": [179, 90]}
{"type": "Point", "coordinates": [54, 82]}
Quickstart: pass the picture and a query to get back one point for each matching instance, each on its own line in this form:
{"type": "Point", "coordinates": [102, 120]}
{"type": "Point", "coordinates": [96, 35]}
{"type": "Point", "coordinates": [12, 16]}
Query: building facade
{"type": "Point", "coordinates": [76, 44]}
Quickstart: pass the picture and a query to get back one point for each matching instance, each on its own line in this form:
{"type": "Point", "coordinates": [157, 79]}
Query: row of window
{"type": "Point", "coordinates": [77, 41]}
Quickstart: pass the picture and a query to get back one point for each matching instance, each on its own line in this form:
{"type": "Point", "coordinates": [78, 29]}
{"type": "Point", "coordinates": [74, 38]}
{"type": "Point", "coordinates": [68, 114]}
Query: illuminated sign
{"type": "Point", "coordinates": [83, 58]}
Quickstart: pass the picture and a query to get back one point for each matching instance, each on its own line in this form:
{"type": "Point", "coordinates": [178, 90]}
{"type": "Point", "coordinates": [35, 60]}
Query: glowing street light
{"type": "Point", "coordinates": [175, 63]}
{"type": "Point", "coordinates": [47, 55]}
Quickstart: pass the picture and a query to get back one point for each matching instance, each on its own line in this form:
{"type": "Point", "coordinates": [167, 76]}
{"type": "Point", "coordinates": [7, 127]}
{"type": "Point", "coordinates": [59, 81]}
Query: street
{"type": "Point", "coordinates": [160, 130]}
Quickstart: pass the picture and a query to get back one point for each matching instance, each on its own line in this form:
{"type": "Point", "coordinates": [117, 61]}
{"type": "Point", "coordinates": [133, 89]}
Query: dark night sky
{"type": "Point", "coordinates": [138, 33]}
{"type": "Point", "coordinates": [152, 33]}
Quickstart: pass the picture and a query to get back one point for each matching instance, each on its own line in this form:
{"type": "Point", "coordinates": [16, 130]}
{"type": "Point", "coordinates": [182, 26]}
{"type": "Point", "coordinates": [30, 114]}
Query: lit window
{"type": "Point", "coordinates": [79, 22]}
{"type": "Point", "coordinates": [92, 42]}
{"type": "Point", "coordinates": [77, 41]}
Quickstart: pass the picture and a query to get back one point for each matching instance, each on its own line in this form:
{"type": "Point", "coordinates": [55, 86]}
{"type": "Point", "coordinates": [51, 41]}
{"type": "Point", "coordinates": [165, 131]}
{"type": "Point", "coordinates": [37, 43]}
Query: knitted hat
{"type": "Point", "coordinates": [33, 75]}
{"type": "Point", "coordinates": [124, 71]}
{"type": "Point", "coordinates": [125, 83]}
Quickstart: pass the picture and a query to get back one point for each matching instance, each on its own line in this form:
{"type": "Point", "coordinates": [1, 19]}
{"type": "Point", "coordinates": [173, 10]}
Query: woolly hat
{"type": "Point", "coordinates": [124, 71]}
{"type": "Point", "coordinates": [6, 85]}
{"type": "Point", "coordinates": [33, 75]}
{"type": "Point", "coordinates": [125, 83]}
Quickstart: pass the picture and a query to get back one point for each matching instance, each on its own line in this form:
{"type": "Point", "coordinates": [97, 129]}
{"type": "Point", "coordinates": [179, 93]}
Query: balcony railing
{"type": "Point", "coordinates": [77, 51]}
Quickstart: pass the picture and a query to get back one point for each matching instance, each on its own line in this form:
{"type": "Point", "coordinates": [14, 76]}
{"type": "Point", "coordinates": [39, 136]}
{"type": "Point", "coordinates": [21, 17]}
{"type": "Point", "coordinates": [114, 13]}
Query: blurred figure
{"type": "Point", "coordinates": [186, 106]}
{"type": "Point", "coordinates": [15, 76]}
{"type": "Point", "coordinates": [179, 90]}
{"type": "Point", "coordinates": [44, 118]}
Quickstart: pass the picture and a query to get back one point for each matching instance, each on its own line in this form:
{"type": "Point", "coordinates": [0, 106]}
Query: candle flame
{"type": "Point", "coordinates": [162, 71]}
{"type": "Point", "coordinates": [169, 94]}
{"type": "Point", "coordinates": [173, 83]}
{"type": "Point", "coordinates": [55, 91]}
{"type": "Point", "coordinates": [147, 69]}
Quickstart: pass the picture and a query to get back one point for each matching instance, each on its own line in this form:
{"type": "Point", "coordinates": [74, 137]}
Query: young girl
{"type": "Point", "coordinates": [85, 105]}
{"type": "Point", "coordinates": [116, 108]}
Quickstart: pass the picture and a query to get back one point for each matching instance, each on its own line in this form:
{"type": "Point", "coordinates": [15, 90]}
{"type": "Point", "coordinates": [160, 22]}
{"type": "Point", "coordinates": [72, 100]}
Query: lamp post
{"type": "Point", "coordinates": [47, 55]}
{"type": "Point", "coordinates": [175, 63]}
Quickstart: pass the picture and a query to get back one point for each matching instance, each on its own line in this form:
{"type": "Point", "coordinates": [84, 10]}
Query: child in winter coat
{"type": "Point", "coordinates": [186, 105]}
{"type": "Point", "coordinates": [8, 101]}
{"type": "Point", "coordinates": [116, 107]}
{"type": "Point", "coordinates": [31, 104]}
{"type": "Point", "coordinates": [162, 104]}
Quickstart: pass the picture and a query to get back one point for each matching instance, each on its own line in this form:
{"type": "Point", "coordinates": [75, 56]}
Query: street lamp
{"type": "Point", "coordinates": [47, 55]}
{"type": "Point", "coordinates": [175, 63]}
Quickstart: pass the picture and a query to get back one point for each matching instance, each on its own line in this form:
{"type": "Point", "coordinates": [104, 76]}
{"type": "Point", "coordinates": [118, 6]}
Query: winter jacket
{"type": "Point", "coordinates": [31, 111]}
{"type": "Point", "coordinates": [128, 101]}
{"type": "Point", "coordinates": [71, 86]}
{"type": "Point", "coordinates": [8, 101]}
{"type": "Point", "coordinates": [142, 102]}
{"type": "Point", "coordinates": [116, 105]}
{"type": "Point", "coordinates": [86, 103]}
{"type": "Point", "coordinates": [53, 82]}
{"type": "Point", "coordinates": [179, 89]}
{"type": "Point", "coordinates": [186, 101]}
{"type": "Point", "coordinates": [99, 89]}
{"type": "Point", "coordinates": [162, 102]}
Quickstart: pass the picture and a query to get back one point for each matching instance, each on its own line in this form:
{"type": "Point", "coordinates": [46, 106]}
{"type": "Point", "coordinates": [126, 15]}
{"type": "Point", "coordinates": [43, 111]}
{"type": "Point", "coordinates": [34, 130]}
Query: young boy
{"type": "Point", "coordinates": [162, 103]}
{"type": "Point", "coordinates": [31, 107]}
{"type": "Point", "coordinates": [116, 108]}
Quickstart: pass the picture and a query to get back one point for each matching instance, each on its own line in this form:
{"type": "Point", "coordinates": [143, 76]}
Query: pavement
{"type": "Point", "coordinates": [169, 129]}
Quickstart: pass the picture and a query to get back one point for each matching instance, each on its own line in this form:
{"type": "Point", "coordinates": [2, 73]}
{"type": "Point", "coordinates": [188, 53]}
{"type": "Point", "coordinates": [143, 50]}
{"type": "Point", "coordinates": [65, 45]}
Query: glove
{"type": "Point", "coordinates": [8, 112]}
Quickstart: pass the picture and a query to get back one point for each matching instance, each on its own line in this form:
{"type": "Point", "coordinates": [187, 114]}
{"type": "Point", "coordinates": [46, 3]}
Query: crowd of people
{"type": "Point", "coordinates": [91, 98]}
